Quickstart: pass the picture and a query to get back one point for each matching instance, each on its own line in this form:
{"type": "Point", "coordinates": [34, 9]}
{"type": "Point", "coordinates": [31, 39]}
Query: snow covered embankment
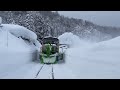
{"type": "Point", "coordinates": [91, 60]}
{"type": "Point", "coordinates": [16, 52]}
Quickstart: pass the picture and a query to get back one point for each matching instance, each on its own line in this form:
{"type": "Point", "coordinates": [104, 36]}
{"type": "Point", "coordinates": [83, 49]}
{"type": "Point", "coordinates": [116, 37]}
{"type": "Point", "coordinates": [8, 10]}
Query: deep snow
{"type": "Point", "coordinates": [16, 53]}
{"type": "Point", "coordinates": [82, 60]}
{"type": "Point", "coordinates": [20, 31]}
{"type": "Point", "coordinates": [92, 60]}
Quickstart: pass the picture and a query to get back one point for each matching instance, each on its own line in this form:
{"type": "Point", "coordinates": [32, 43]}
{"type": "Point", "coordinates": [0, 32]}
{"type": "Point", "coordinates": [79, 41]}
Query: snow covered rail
{"type": "Point", "coordinates": [45, 71]}
{"type": "Point", "coordinates": [52, 72]}
{"type": "Point", "coordinates": [39, 70]}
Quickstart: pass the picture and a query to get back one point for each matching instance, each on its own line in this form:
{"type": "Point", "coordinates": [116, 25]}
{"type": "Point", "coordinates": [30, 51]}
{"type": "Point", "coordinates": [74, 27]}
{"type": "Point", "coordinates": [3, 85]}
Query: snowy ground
{"type": "Point", "coordinates": [97, 60]}
{"type": "Point", "coordinates": [16, 54]}
{"type": "Point", "coordinates": [83, 59]}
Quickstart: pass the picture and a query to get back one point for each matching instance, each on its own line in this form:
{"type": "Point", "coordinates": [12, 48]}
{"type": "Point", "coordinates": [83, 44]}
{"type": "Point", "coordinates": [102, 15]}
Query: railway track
{"type": "Point", "coordinates": [39, 70]}
{"type": "Point", "coordinates": [43, 67]}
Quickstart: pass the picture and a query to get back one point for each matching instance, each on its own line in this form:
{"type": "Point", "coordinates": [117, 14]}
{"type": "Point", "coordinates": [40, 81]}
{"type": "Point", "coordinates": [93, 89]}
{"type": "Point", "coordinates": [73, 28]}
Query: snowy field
{"type": "Point", "coordinates": [83, 60]}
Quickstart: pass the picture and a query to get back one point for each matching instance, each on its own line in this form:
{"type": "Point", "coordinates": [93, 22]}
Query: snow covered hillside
{"type": "Point", "coordinates": [16, 52]}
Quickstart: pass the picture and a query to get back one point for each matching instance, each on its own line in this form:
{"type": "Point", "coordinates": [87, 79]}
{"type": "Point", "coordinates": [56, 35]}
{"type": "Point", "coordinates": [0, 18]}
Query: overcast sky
{"type": "Point", "coordinates": [108, 18]}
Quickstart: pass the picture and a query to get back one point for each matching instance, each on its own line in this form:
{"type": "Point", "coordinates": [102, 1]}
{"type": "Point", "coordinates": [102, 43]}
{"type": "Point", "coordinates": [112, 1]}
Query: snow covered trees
{"type": "Point", "coordinates": [0, 21]}
{"type": "Point", "coordinates": [45, 23]}
{"type": "Point", "coordinates": [90, 33]}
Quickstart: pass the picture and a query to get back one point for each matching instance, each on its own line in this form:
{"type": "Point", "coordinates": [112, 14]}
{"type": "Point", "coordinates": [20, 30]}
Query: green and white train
{"type": "Point", "coordinates": [50, 52]}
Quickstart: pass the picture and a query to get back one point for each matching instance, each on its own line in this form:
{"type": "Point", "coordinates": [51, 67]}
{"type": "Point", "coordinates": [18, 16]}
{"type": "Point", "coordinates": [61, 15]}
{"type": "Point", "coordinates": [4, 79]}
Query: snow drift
{"type": "Point", "coordinates": [20, 31]}
{"type": "Point", "coordinates": [16, 52]}
{"type": "Point", "coordinates": [97, 60]}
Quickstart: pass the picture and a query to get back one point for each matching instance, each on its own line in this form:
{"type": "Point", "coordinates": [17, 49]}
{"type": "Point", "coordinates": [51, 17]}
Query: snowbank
{"type": "Point", "coordinates": [16, 52]}
{"type": "Point", "coordinates": [20, 31]}
{"type": "Point", "coordinates": [100, 60]}
{"type": "Point", "coordinates": [9, 42]}
{"type": "Point", "coordinates": [109, 45]}
{"type": "Point", "coordinates": [115, 42]}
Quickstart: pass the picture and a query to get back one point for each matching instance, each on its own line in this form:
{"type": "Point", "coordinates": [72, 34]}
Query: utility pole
{"type": "Point", "coordinates": [7, 38]}
{"type": "Point", "coordinates": [1, 27]}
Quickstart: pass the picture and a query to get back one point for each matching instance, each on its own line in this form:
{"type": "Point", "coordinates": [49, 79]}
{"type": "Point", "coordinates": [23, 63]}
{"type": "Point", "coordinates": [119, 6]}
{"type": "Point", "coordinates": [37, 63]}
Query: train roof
{"type": "Point", "coordinates": [52, 40]}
